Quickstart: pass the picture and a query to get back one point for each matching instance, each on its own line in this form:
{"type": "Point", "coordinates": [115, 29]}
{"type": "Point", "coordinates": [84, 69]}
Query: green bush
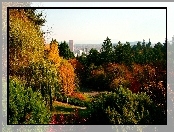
{"type": "Point", "coordinates": [26, 106]}
{"type": "Point", "coordinates": [78, 102]}
{"type": "Point", "coordinates": [123, 107]}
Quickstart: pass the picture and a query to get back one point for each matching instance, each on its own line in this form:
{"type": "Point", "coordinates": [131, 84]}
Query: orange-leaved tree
{"type": "Point", "coordinates": [65, 69]}
{"type": "Point", "coordinates": [67, 77]}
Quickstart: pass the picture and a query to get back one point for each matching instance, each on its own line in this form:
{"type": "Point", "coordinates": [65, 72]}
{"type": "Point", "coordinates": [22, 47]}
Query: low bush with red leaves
{"type": "Point", "coordinates": [69, 119]}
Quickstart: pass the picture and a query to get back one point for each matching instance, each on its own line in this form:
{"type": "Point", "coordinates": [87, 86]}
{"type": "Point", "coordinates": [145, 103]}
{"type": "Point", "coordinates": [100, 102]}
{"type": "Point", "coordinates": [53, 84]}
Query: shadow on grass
{"type": "Point", "coordinates": [65, 110]}
{"type": "Point", "coordinates": [91, 92]}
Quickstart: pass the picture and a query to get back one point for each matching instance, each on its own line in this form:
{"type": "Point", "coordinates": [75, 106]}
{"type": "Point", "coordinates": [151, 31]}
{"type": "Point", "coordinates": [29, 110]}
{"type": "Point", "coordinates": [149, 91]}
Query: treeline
{"type": "Point", "coordinates": [141, 57]}
{"type": "Point", "coordinates": [142, 53]}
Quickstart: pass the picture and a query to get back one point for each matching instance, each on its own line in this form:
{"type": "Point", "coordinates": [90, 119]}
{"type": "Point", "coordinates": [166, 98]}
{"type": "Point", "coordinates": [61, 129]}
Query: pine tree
{"type": "Point", "coordinates": [106, 51]}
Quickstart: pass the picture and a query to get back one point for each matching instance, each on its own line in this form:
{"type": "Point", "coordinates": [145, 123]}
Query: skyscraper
{"type": "Point", "coordinates": [71, 45]}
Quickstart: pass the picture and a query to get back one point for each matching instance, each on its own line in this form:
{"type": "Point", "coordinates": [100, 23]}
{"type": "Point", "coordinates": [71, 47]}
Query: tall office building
{"type": "Point", "coordinates": [71, 45]}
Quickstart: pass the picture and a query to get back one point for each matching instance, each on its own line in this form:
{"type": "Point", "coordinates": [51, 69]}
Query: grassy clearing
{"type": "Point", "coordinates": [65, 108]}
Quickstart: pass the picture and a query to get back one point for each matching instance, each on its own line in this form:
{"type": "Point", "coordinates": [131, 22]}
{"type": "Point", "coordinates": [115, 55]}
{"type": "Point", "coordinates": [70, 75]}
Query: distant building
{"type": "Point", "coordinates": [86, 50]}
{"type": "Point", "coordinates": [79, 52]}
{"type": "Point", "coordinates": [71, 45]}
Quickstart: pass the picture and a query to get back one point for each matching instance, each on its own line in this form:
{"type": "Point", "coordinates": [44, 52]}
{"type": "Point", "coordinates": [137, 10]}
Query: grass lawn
{"type": "Point", "coordinates": [65, 108]}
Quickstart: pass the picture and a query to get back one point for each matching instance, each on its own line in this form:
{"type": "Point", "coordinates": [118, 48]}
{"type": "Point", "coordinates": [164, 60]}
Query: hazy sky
{"type": "Point", "coordinates": [92, 26]}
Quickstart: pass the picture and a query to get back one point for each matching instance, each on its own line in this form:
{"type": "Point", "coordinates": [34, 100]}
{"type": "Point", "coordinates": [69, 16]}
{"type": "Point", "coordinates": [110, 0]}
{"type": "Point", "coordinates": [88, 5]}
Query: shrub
{"type": "Point", "coordinates": [78, 95]}
{"type": "Point", "coordinates": [26, 106]}
{"type": "Point", "coordinates": [119, 81]}
{"type": "Point", "coordinates": [123, 107]}
{"type": "Point", "coordinates": [158, 94]}
{"type": "Point", "coordinates": [75, 118]}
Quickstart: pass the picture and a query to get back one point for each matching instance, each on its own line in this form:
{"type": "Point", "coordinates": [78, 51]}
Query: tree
{"type": "Point", "coordinates": [118, 53]}
{"type": "Point", "coordinates": [127, 58]}
{"type": "Point", "coordinates": [93, 57]}
{"type": "Point", "coordinates": [64, 68]}
{"type": "Point", "coordinates": [148, 53]}
{"type": "Point", "coordinates": [107, 46]}
{"type": "Point", "coordinates": [37, 18]}
{"type": "Point", "coordinates": [67, 77]}
{"type": "Point", "coordinates": [158, 53]}
{"type": "Point", "coordinates": [106, 51]}
{"type": "Point", "coordinates": [64, 51]}
{"type": "Point", "coordinates": [26, 43]}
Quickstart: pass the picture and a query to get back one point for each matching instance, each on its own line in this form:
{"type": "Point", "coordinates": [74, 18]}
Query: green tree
{"type": "Point", "coordinates": [118, 53]}
{"type": "Point", "coordinates": [137, 53]}
{"type": "Point", "coordinates": [64, 51]}
{"type": "Point", "coordinates": [148, 53]}
{"type": "Point", "coordinates": [127, 58]}
{"type": "Point", "coordinates": [93, 57]}
{"type": "Point", "coordinates": [158, 54]}
{"type": "Point", "coordinates": [35, 17]}
{"type": "Point", "coordinates": [106, 51]}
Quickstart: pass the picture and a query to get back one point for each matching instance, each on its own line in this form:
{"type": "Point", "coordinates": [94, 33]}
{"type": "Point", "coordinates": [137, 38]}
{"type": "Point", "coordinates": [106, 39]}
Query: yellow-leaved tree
{"type": "Point", "coordinates": [65, 69]}
{"type": "Point", "coordinates": [26, 43]}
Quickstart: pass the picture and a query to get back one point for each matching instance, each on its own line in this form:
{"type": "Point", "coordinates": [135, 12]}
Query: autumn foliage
{"type": "Point", "coordinates": [64, 68]}
{"type": "Point", "coordinates": [76, 65]}
{"type": "Point", "coordinates": [78, 95]}
{"type": "Point", "coordinates": [45, 76]}
{"type": "Point", "coordinates": [26, 43]}
{"type": "Point", "coordinates": [67, 77]}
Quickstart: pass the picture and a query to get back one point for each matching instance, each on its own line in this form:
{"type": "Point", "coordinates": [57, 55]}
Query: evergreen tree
{"type": "Point", "coordinates": [127, 59]}
{"type": "Point", "coordinates": [35, 17]}
{"type": "Point", "coordinates": [118, 53]}
{"type": "Point", "coordinates": [106, 51]}
{"type": "Point", "coordinates": [64, 51]}
{"type": "Point", "coordinates": [93, 57]}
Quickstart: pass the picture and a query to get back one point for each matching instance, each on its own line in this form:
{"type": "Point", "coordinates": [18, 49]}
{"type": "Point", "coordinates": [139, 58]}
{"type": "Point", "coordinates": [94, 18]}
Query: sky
{"type": "Point", "coordinates": [92, 26]}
